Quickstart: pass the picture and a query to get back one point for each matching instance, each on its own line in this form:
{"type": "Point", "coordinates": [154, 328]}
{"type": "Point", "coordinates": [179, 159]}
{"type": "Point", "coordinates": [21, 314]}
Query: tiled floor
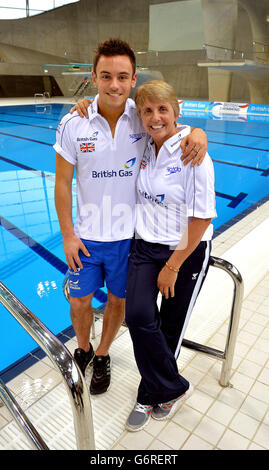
{"type": "Point", "coordinates": [214, 417]}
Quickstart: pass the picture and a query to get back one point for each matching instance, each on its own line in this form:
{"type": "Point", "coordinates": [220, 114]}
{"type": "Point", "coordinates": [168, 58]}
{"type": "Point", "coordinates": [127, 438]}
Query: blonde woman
{"type": "Point", "coordinates": [170, 254]}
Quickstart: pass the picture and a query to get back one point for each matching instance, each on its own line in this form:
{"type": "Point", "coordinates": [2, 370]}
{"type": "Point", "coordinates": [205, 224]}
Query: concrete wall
{"type": "Point", "coordinates": [75, 30]}
{"type": "Point", "coordinates": [72, 32]}
{"type": "Point", "coordinates": [20, 61]}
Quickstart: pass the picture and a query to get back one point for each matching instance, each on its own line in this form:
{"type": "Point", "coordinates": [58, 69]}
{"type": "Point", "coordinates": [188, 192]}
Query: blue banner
{"type": "Point", "coordinates": [196, 105]}
{"type": "Point", "coordinates": [258, 109]}
{"type": "Point", "coordinates": [221, 110]}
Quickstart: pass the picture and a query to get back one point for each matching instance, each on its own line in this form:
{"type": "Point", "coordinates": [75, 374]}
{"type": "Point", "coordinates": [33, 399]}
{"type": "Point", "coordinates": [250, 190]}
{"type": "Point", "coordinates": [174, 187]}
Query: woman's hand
{"type": "Point", "coordinates": [194, 147]}
{"type": "Point", "coordinates": [166, 282]}
{"type": "Point", "coordinates": [82, 107]}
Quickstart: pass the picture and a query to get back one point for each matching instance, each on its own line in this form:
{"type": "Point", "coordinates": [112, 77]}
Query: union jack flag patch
{"type": "Point", "coordinates": [87, 147]}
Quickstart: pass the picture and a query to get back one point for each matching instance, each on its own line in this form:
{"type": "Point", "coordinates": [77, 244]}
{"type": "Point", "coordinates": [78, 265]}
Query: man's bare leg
{"type": "Point", "coordinates": [113, 318]}
{"type": "Point", "coordinates": [82, 318]}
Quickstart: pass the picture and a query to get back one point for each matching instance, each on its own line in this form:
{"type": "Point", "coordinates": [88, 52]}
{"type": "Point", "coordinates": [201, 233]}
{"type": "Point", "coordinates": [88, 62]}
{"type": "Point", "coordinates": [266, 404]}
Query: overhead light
{"type": "Point", "coordinates": [267, 18]}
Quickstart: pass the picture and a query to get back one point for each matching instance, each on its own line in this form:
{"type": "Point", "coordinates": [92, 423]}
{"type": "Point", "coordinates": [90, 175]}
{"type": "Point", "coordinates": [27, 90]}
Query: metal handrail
{"type": "Point", "coordinates": [246, 52]}
{"type": "Point", "coordinates": [23, 422]}
{"type": "Point", "coordinates": [62, 359]}
{"type": "Point", "coordinates": [227, 355]}
{"type": "Point", "coordinates": [220, 47]}
{"type": "Point", "coordinates": [235, 50]}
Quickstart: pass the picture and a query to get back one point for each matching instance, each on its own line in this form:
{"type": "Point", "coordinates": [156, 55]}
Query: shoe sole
{"type": "Point", "coordinates": [184, 397]}
{"type": "Point", "coordinates": [100, 393]}
{"type": "Point", "coordinates": [89, 364]}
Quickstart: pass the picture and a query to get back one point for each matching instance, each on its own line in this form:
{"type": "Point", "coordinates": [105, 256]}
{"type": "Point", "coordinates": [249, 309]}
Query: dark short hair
{"type": "Point", "coordinates": [113, 47]}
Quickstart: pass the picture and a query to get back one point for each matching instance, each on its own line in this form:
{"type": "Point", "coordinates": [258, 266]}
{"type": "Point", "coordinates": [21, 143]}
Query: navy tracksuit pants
{"type": "Point", "coordinates": [157, 334]}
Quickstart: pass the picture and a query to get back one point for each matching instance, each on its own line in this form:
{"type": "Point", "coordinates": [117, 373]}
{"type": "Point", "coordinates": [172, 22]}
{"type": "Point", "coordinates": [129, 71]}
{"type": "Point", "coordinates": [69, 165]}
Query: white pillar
{"type": "Point", "coordinates": [220, 22]}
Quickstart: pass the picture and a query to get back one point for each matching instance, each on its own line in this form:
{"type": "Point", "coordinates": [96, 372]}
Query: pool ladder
{"type": "Point", "coordinates": [72, 377]}
{"type": "Point", "coordinates": [63, 361]}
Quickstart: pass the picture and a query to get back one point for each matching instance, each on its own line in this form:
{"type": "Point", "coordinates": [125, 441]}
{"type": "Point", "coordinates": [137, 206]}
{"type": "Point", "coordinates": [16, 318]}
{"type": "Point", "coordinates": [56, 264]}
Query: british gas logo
{"type": "Point", "coordinates": [158, 199]}
{"type": "Point", "coordinates": [94, 136]}
{"type": "Point", "coordinates": [130, 163]}
{"type": "Point", "coordinates": [123, 172]}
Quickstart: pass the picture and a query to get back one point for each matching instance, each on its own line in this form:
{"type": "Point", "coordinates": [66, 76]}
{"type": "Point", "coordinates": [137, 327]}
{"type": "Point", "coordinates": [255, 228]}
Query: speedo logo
{"type": "Point", "coordinates": [116, 173]}
{"type": "Point", "coordinates": [172, 169]}
{"type": "Point", "coordinates": [136, 137]}
{"type": "Point", "coordinates": [74, 285]}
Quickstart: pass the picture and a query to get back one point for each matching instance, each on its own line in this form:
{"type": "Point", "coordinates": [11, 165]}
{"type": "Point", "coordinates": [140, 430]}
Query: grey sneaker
{"type": "Point", "coordinates": [166, 410]}
{"type": "Point", "coordinates": [139, 417]}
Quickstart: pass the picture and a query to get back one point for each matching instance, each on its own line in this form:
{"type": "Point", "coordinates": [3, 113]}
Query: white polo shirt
{"type": "Point", "coordinates": [106, 170]}
{"type": "Point", "coordinates": [171, 193]}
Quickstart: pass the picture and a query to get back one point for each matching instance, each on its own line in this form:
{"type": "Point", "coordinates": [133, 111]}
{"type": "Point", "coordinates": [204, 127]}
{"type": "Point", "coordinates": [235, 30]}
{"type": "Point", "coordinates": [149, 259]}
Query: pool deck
{"type": "Point", "coordinates": [213, 418]}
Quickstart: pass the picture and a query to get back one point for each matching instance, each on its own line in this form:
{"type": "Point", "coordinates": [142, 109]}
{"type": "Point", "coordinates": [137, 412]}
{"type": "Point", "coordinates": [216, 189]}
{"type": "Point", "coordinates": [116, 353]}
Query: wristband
{"type": "Point", "coordinates": [175, 270]}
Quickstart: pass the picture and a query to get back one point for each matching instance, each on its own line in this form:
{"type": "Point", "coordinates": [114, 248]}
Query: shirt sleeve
{"type": "Point", "coordinates": [200, 190]}
{"type": "Point", "coordinates": [64, 143]}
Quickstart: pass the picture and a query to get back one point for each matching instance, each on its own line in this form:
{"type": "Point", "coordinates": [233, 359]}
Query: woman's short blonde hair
{"type": "Point", "coordinates": [156, 90]}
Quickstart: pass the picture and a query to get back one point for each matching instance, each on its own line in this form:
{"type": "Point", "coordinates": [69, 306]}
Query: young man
{"type": "Point", "coordinates": [105, 150]}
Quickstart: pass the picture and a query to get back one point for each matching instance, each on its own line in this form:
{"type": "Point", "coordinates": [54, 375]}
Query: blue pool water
{"type": "Point", "coordinates": [32, 262]}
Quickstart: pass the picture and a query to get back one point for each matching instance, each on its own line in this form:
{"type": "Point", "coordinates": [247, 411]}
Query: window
{"type": "Point", "coordinates": [14, 9]}
{"type": "Point", "coordinates": [176, 26]}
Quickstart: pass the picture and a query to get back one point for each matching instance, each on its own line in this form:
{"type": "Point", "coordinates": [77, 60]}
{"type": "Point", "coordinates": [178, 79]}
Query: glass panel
{"type": "Point", "coordinates": [11, 13]}
{"type": "Point", "coordinates": [182, 23]}
{"type": "Point", "coordinates": [41, 4]}
{"type": "Point", "coordinates": [59, 3]}
{"type": "Point", "coordinates": [13, 3]}
{"type": "Point", "coordinates": [13, 9]}
{"type": "Point", "coordinates": [35, 12]}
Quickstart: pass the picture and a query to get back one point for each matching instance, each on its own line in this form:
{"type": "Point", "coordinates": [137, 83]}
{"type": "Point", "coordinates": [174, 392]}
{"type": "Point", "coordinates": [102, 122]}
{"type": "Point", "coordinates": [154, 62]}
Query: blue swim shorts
{"type": "Point", "coordinates": [108, 262]}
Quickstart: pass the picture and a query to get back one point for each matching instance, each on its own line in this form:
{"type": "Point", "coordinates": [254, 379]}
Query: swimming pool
{"type": "Point", "coordinates": [32, 262]}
